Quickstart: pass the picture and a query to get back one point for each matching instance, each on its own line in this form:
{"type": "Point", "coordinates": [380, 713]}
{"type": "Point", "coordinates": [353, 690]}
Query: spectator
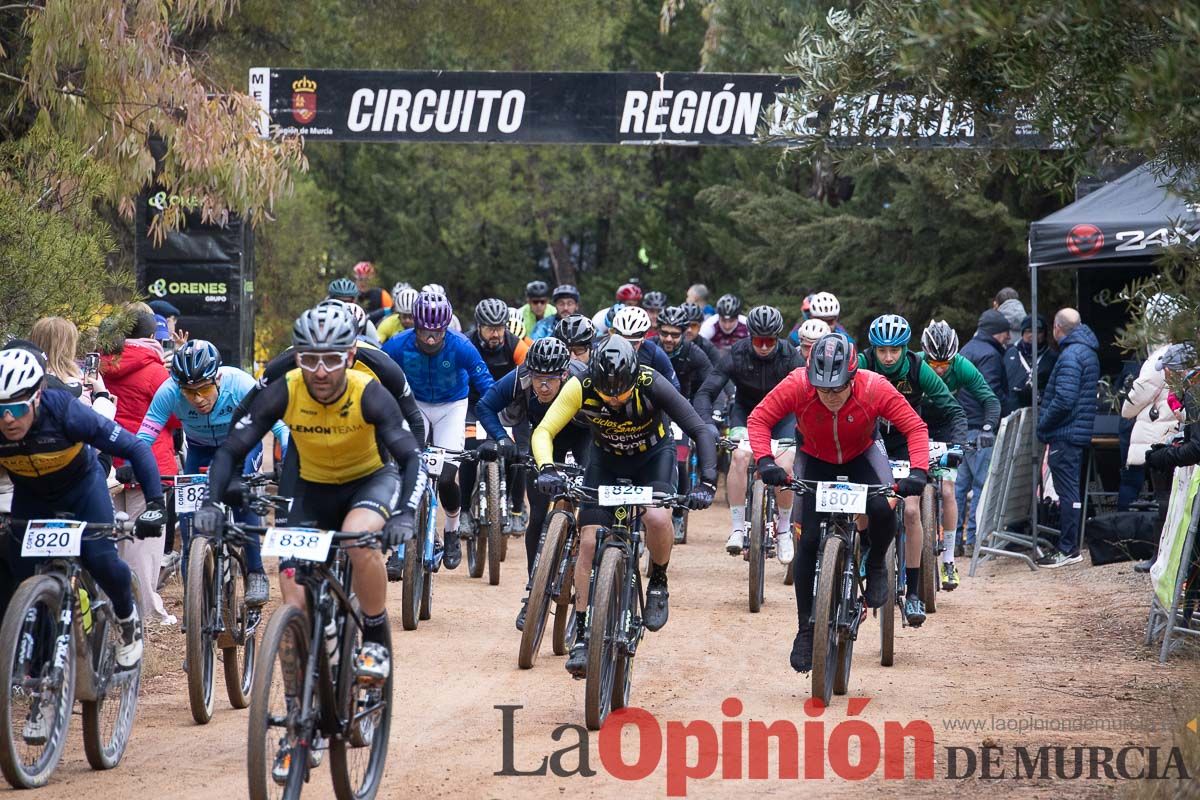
{"type": "Point", "coordinates": [168, 312]}
{"type": "Point", "coordinates": [58, 341]}
{"type": "Point", "coordinates": [1008, 303]}
{"type": "Point", "coordinates": [133, 370]}
{"type": "Point", "coordinates": [1065, 424]}
{"type": "Point", "coordinates": [566, 303]}
{"type": "Point", "coordinates": [698, 293]}
{"type": "Point", "coordinates": [986, 352]}
{"type": "Point", "coordinates": [1018, 366]}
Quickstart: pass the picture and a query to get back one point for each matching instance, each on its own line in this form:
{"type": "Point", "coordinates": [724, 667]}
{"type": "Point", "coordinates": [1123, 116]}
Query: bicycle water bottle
{"type": "Point", "coordinates": [85, 609]}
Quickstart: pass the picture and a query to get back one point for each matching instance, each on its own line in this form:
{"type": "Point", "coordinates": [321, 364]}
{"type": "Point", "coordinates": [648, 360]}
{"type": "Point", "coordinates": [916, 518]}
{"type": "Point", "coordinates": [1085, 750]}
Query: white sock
{"type": "Point", "coordinates": [948, 553]}
{"type": "Point", "coordinates": [739, 517]}
{"type": "Point", "coordinates": [783, 521]}
{"type": "Point", "coordinates": [452, 521]}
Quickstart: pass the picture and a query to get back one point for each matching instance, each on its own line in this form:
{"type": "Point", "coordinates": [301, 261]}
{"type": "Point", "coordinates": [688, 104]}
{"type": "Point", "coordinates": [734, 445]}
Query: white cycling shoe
{"type": "Point", "coordinates": [733, 545]}
{"type": "Point", "coordinates": [785, 546]}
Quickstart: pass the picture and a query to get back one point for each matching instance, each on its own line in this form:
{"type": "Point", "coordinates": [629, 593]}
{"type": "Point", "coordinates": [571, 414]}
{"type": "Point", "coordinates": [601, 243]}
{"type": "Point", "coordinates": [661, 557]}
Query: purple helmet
{"type": "Point", "coordinates": [432, 311]}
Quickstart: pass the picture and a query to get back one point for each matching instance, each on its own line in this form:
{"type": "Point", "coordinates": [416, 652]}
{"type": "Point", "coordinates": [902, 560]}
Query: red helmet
{"type": "Point", "coordinates": [364, 269]}
{"type": "Point", "coordinates": [629, 293]}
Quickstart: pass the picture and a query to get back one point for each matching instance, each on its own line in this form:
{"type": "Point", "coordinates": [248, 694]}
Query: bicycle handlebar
{"type": "Point", "coordinates": [803, 486]}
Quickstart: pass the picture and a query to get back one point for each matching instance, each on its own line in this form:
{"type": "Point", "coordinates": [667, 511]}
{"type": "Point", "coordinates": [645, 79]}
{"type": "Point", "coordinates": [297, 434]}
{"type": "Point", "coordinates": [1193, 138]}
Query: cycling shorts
{"type": "Point", "coordinates": [325, 505]}
{"type": "Point", "coordinates": [445, 423]}
{"type": "Point", "coordinates": [655, 468]}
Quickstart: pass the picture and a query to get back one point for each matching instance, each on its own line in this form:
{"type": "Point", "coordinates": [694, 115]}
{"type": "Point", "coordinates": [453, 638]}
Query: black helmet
{"type": "Point", "coordinates": [195, 362]}
{"type": "Point", "coordinates": [764, 321]}
{"type": "Point", "coordinates": [565, 290]}
{"type": "Point", "coordinates": [547, 356]}
{"type": "Point", "coordinates": [492, 311]}
{"type": "Point", "coordinates": [674, 316]}
{"type": "Point", "coordinates": [694, 312]}
{"type": "Point", "coordinates": [653, 300]}
{"type": "Point", "coordinates": [729, 306]}
{"type": "Point", "coordinates": [832, 362]}
{"type": "Point", "coordinates": [537, 289]}
{"type": "Point", "coordinates": [575, 329]}
{"type": "Point", "coordinates": [614, 366]}
{"type": "Point", "coordinates": [342, 289]}
{"type": "Point", "coordinates": [326, 327]}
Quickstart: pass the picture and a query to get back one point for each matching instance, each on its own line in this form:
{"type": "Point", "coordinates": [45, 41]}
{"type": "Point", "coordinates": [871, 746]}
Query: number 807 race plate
{"type": "Point", "coordinates": [841, 498]}
{"type": "Point", "coordinates": [305, 544]}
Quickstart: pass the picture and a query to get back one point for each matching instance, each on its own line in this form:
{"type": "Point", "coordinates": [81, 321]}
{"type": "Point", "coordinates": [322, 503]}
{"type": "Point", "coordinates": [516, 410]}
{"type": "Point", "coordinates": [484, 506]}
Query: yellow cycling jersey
{"type": "Point", "coordinates": [336, 444]}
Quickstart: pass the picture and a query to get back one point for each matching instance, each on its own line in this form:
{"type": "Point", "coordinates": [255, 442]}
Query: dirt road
{"type": "Point", "coordinates": [1011, 647]}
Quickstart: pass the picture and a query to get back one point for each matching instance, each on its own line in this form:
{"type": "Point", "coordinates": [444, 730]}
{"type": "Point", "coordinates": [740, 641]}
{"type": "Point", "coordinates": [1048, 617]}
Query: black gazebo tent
{"type": "Point", "coordinates": [1127, 224]}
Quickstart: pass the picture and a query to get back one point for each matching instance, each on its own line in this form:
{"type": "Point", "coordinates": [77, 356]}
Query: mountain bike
{"type": "Point", "coordinates": [215, 613]}
{"type": "Point", "coordinates": [422, 557]}
{"type": "Point", "coordinates": [552, 580]}
{"type": "Point", "coordinates": [685, 453]}
{"type": "Point", "coordinates": [942, 458]}
{"type": "Point", "coordinates": [305, 690]}
{"type": "Point", "coordinates": [617, 600]}
{"type": "Point", "coordinates": [58, 644]}
{"type": "Point", "coordinates": [838, 607]}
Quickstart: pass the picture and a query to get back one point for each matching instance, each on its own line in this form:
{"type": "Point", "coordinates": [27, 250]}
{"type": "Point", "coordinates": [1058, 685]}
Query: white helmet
{"type": "Point", "coordinates": [356, 311]}
{"type": "Point", "coordinates": [631, 321]}
{"type": "Point", "coordinates": [516, 323]}
{"type": "Point", "coordinates": [399, 287]}
{"type": "Point", "coordinates": [813, 329]}
{"type": "Point", "coordinates": [824, 305]}
{"type": "Point", "coordinates": [404, 299]}
{"type": "Point", "coordinates": [436, 288]}
{"type": "Point", "coordinates": [20, 374]}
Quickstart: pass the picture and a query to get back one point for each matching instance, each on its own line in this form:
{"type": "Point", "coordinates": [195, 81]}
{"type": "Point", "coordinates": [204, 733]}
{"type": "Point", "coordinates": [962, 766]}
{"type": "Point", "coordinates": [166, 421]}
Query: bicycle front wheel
{"type": "Point", "coordinates": [492, 523]}
{"type": "Point", "coordinates": [108, 721]}
{"type": "Point", "coordinates": [604, 627]}
{"type": "Point", "coordinates": [241, 625]}
{"type": "Point", "coordinates": [757, 555]}
{"type": "Point", "coordinates": [277, 754]}
{"type": "Point", "coordinates": [887, 612]}
{"type": "Point", "coordinates": [538, 605]}
{"type": "Point", "coordinates": [929, 568]}
{"type": "Point", "coordinates": [825, 614]}
{"type": "Point", "coordinates": [199, 614]}
{"type": "Point", "coordinates": [358, 754]}
{"type": "Point", "coordinates": [413, 576]}
{"type": "Point", "coordinates": [35, 700]}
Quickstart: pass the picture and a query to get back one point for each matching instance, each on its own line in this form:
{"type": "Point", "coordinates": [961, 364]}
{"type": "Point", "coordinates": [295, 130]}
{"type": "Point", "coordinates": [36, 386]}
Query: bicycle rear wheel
{"type": "Point", "coordinates": [887, 612]}
{"type": "Point", "coordinates": [241, 624]}
{"type": "Point", "coordinates": [603, 629]}
{"type": "Point", "coordinates": [538, 604]}
{"type": "Point", "coordinates": [927, 590]}
{"type": "Point", "coordinates": [274, 732]}
{"type": "Point", "coordinates": [758, 533]}
{"type": "Point", "coordinates": [825, 614]}
{"type": "Point", "coordinates": [28, 682]}
{"type": "Point", "coordinates": [357, 756]}
{"type": "Point", "coordinates": [563, 636]}
{"type": "Point", "coordinates": [491, 524]}
{"type": "Point", "coordinates": [475, 540]}
{"type": "Point", "coordinates": [413, 576]}
{"type": "Point", "coordinates": [199, 614]}
{"type": "Point", "coordinates": [108, 720]}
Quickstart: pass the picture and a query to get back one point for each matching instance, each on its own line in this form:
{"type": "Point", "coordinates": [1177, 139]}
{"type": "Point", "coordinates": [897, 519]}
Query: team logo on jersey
{"type": "Point", "coordinates": [304, 100]}
{"type": "Point", "coordinates": [344, 411]}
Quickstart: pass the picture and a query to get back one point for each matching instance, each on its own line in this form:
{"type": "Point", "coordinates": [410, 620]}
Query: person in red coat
{"type": "Point", "coordinates": [133, 370]}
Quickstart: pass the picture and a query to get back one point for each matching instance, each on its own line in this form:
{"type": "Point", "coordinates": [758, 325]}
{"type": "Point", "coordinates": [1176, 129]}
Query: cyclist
{"type": "Point", "coordinates": [370, 298]}
{"type": "Point", "coordinates": [808, 333]}
{"type": "Point", "coordinates": [628, 294]}
{"type": "Point", "coordinates": [632, 324]}
{"type": "Point", "coordinates": [579, 335]}
{"type": "Point", "coordinates": [754, 366]}
{"type": "Point", "coordinates": [346, 290]}
{"type": "Point", "coordinates": [566, 302]}
{"type": "Point", "coordinates": [401, 319]}
{"type": "Point", "coordinates": [48, 445]}
{"type": "Point", "coordinates": [940, 343]}
{"type": "Point", "coordinates": [204, 395]}
{"type": "Point", "coordinates": [366, 329]}
{"type": "Point", "coordinates": [695, 318]}
{"type": "Point", "coordinates": [654, 303]}
{"type": "Point", "coordinates": [521, 398]}
{"type": "Point", "coordinates": [836, 406]}
{"type": "Point", "coordinates": [692, 368]}
{"type": "Point", "coordinates": [344, 426]}
{"type": "Point", "coordinates": [442, 367]}
{"type": "Point", "coordinates": [727, 325]}
{"type": "Point", "coordinates": [537, 295]}
{"type": "Point", "coordinates": [437, 288]}
{"type": "Point", "coordinates": [502, 352]}
{"type": "Point", "coordinates": [627, 406]}
{"type": "Point", "coordinates": [916, 381]}
{"type": "Point", "coordinates": [825, 307]}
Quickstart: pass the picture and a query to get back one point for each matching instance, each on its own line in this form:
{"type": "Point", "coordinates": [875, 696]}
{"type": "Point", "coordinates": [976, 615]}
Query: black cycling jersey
{"type": "Point", "coordinates": [692, 366]}
{"type": "Point", "coordinates": [500, 360]}
{"type": "Point", "coordinates": [752, 376]}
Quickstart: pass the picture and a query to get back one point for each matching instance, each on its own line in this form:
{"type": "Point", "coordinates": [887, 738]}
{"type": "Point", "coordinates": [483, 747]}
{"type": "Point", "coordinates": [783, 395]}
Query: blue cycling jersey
{"type": "Point", "coordinates": [447, 375]}
{"type": "Point", "coordinates": [204, 429]}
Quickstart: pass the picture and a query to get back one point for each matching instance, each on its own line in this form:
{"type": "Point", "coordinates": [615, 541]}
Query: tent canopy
{"type": "Point", "coordinates": [1137, 216]}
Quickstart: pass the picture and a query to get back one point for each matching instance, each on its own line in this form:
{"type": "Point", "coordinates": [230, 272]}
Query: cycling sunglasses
{"type": "Point", "coordinates": [580, 350]}
{"type": "Point", "coordinates": [206, 390]}
{"type": "Point", "coordinates": [311, 362]}
{"type": "Point", "coordinates": [623, 397]}
{"type": "Point", "coordinates": [666, 334]}
{"type": "Point", "coordinates": [545, 380]}
{"type": "Point", "coordinates": [938, 364]}
{"type": "Point", "coordinates": [17, 408]}
{"type": "Point", "coordinates": [763, 342]}
{"type": "Point", "coordinates": [832, 389]}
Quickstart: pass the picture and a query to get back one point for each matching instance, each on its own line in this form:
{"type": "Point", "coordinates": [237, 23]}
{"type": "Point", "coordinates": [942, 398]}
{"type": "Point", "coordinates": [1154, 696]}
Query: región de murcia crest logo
{"type": "Point", "coordinates": [304, 100]}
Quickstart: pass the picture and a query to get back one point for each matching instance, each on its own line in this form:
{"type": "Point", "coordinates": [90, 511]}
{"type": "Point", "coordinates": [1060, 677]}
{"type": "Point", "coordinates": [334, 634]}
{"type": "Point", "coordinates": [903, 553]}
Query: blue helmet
{"type": "Point", "coordinates": [195, 362]}
{"type": "Point", "coordinates": [890, 330]}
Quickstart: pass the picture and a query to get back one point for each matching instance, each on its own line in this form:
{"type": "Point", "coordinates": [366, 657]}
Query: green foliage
{"type": "Point", "coordinates": [53, 244]}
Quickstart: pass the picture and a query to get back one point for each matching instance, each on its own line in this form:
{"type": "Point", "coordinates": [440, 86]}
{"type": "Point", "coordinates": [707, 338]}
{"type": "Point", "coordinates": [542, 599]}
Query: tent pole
{"type": "Point", "coordinates": [1033, 377]}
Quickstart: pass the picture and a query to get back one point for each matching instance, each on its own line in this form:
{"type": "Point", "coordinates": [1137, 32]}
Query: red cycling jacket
{"type": "Point", "coordinates": [839, 438]}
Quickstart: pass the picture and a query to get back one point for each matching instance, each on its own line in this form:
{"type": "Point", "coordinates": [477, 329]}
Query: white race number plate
{"type": "Point", "coordinates": [434, 459]}
{"type": "Point", "coordinates": [52, 537]}
{"type": "Point", "coordinates": [841, 498]}
{"type": "Point", "coordinates": [625, 495]}
{"type": "Point", "coordinates": [937, 450]}
{"type": "Point", "coordinates": [189, 492]}
{"type": "Point", "coordinates": [900, 469]}
{"type": "Point", "coordinates": [305, 544]}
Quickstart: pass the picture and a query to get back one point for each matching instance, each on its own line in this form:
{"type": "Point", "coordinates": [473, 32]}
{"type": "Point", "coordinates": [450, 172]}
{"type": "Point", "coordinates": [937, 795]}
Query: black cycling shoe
{"type": "Point", "coordinates": [877, 588]}
{"type": "Point", "coordinates": [657, 599]}
{"type": "Point", "coordinates": [802, 648]}
{"type": "Point", "coordinates": [452, 555]}
{"type": "Point", "coordinates": [521, 614]}
{"type": "Point", "coordinates": [577, 660]}
{"type": "Point", "coordinates": [914, 611]}
{"type": "Point", "coordinates": [395, 567]}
